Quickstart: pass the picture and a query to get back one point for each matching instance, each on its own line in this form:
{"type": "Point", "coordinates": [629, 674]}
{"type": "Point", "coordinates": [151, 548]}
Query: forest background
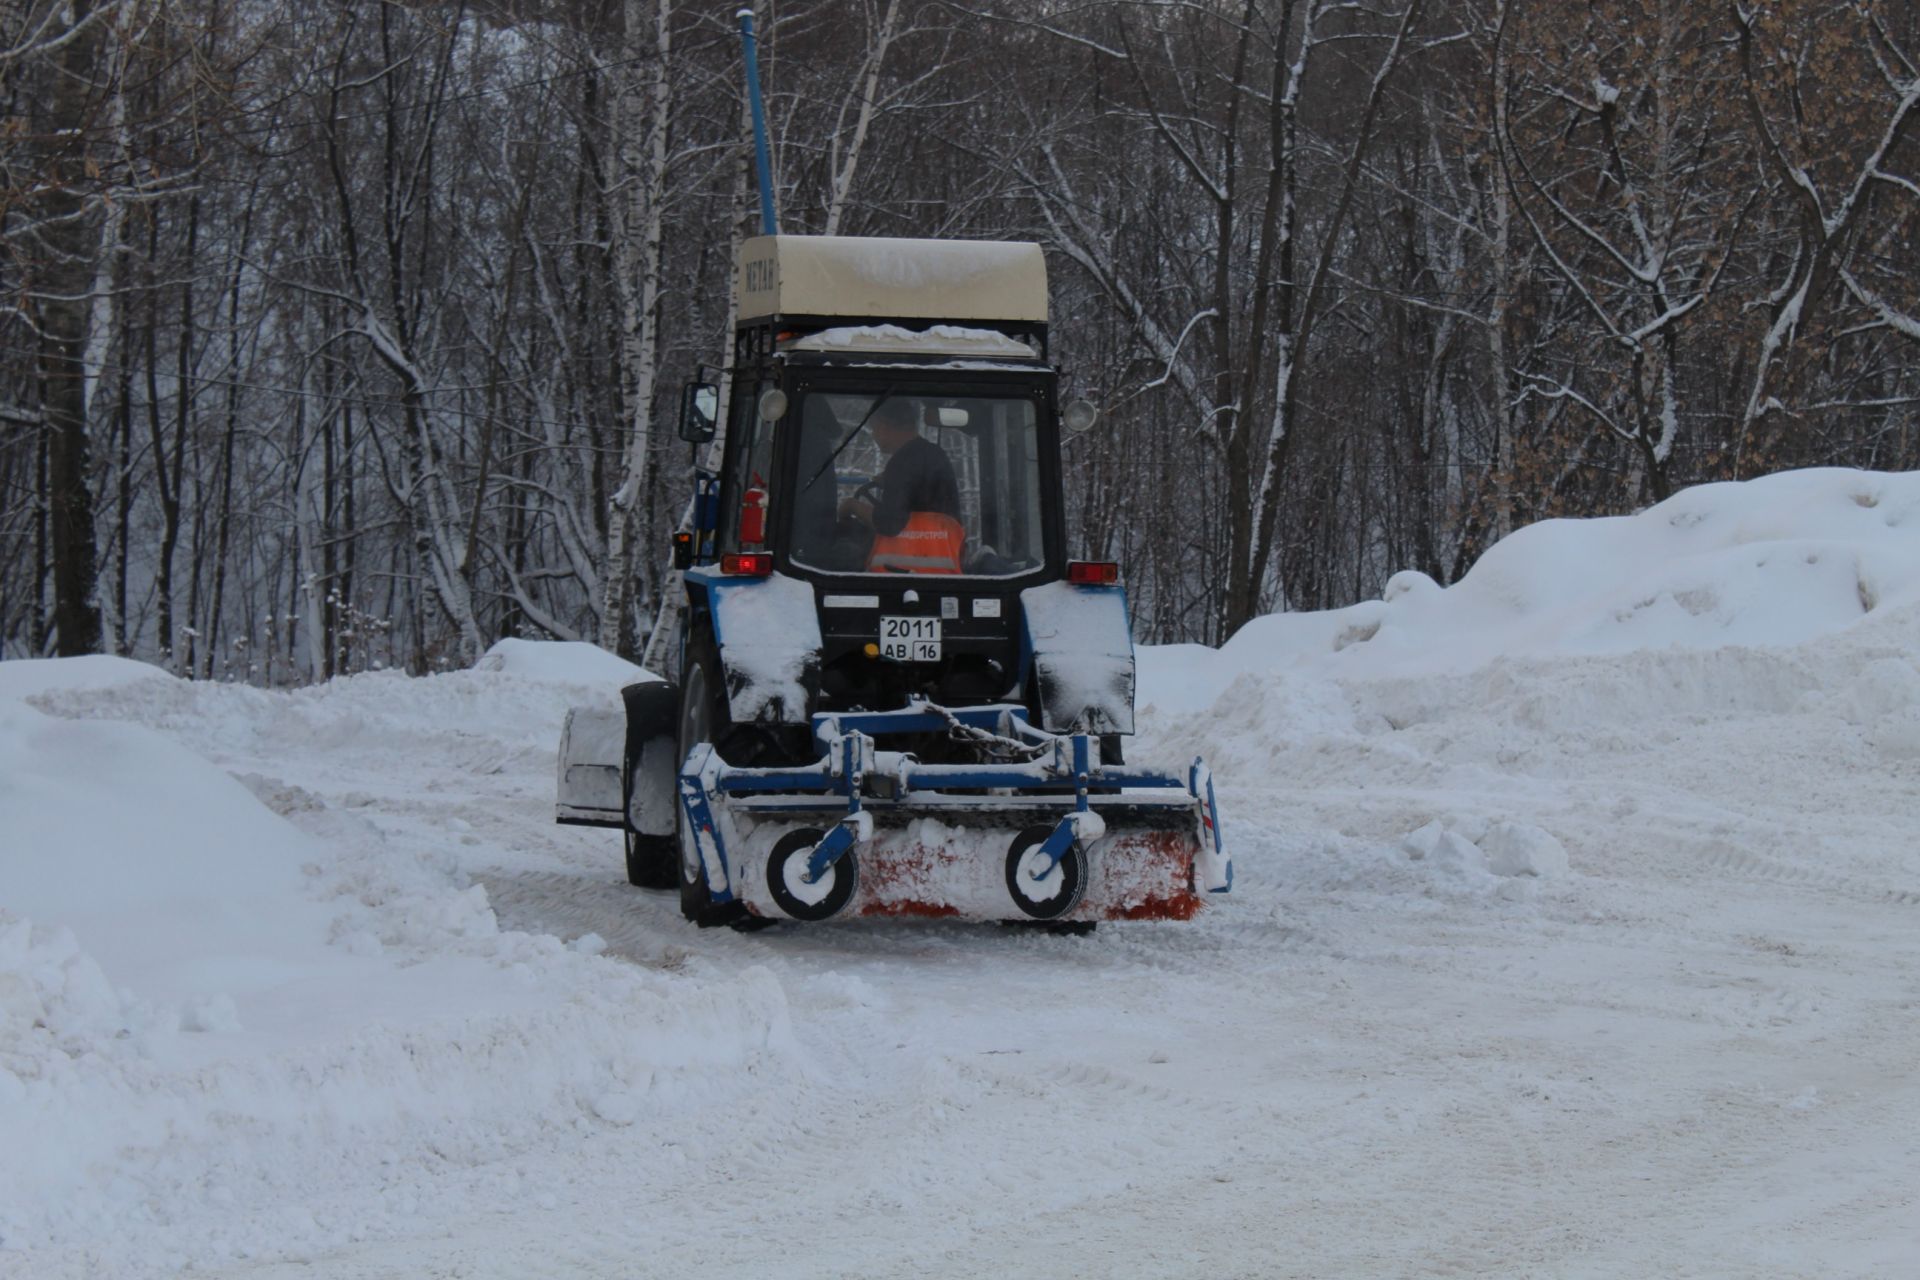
{"type": "Point", "coordinates": [347, 335]}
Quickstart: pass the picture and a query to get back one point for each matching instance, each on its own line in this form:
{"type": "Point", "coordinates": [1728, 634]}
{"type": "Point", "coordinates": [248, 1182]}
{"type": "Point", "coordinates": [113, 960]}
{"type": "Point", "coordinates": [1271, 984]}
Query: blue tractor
{"type": "Point", "coordinates": [893, 694]}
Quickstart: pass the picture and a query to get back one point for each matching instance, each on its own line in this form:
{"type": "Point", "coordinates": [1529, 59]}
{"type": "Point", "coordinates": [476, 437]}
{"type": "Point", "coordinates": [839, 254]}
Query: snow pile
{"type": "Point", "coordinates": [1498, 849]}
{"type": "Point", "coordinates": [166, 869]}
{"type": "Point", "coordinates": [1773, 561]}
{"type": "Point", "coordinates": [1788, 602]}
{"type": "Point", "coordinates": [560, 662]}
{"type": "Point", "coordinates": [47, 981]}
{"type": "Point", "coordinates": [236, 985]}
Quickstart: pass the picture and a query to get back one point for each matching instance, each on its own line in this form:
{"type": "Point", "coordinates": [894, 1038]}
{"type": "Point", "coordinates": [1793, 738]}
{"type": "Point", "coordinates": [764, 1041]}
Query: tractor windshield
{"type": "Point", "coordinates": [903, 483]}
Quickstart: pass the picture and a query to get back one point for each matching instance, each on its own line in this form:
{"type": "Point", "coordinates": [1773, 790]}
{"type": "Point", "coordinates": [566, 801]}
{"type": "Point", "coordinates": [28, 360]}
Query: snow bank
{"type": "Point", "coordinates": [20, 680]}
{"type": "Point", "coordinates": [560, 662]}
{"type": "Point", "coordinates": [255, 1000]}
{"type": "Point", "coordinates": [1769, 562]}
{"type": "Point", "coordinates": [228, 985]}
{"type": "Point", "coordinates": [168, 871]}
{"type": "Point", "coordinates": [1791, 600]}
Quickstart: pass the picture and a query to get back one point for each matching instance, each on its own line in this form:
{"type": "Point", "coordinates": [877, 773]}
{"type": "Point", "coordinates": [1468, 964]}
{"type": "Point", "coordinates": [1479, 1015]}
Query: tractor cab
{"type": "Point", "coordinates": [892, 441]}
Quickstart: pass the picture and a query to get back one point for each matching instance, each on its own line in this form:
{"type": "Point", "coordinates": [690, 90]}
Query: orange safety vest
{"type": "Point", "coordinates": [928, 543]}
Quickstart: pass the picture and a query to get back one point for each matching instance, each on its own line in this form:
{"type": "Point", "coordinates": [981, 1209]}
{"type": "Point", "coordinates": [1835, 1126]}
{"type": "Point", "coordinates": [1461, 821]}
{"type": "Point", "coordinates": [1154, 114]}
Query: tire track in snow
{"type": "Point", "coordinates": [1757, 867]}
{"type": "Point", "coordinates": [634, 923]}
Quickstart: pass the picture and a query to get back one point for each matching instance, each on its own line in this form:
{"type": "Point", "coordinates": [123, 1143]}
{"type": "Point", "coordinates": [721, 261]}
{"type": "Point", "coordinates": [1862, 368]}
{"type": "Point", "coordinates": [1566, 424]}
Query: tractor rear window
{"type": "Point", "coordinates": [918, 484]}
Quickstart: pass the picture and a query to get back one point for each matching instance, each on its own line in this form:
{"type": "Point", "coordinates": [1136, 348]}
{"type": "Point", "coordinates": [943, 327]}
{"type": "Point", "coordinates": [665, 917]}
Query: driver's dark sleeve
{"type": "Point", "coordinates": [918, 477]}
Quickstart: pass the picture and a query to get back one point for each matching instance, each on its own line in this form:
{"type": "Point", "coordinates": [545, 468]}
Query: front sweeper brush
{"type": "Point", "coordinates": [1038, 829]}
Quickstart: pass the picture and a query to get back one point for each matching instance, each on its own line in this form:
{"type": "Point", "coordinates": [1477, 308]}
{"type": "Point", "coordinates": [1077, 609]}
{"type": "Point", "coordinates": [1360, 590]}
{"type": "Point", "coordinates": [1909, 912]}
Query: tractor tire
{"type": "Point", "coordinates": [653, 862]}
{"type": "Point", "coordinates": [1068, 877]}
{"type": "Point", "coordinates": [798, 900]}
{"type": "Point", "coordinates": [703, 718]}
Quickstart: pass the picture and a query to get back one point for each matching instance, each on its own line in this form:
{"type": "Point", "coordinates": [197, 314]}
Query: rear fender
{"type": "Point", "coordinates": [768, 633]}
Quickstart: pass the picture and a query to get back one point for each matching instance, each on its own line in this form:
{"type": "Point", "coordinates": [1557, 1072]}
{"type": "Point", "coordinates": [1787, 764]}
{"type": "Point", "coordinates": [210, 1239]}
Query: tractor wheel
{"type": "Point", "coordinates": [821, 900]}
{"type": "Point", "coordinates": [703, 718]}
{"type": "Point", "coordinates": [652, 861]}
{"type": "Point", "coordinates": [1052, 895]}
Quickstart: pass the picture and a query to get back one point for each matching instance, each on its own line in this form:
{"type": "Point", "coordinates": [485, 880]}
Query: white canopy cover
{"type": "Point", "coordinates": [878, 278]}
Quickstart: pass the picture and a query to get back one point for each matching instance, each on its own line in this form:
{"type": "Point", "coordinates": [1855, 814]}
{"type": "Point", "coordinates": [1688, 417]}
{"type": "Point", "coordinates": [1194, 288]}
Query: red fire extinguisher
{"type": "Point", "coordinates": [753, 514]}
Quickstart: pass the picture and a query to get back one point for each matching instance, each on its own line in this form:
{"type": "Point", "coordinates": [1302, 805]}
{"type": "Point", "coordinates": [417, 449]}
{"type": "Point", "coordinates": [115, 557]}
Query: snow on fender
{"type": "Point", "coordinates": [769, 636]}
{"type": "Point", "coordinates": [1088, 826]}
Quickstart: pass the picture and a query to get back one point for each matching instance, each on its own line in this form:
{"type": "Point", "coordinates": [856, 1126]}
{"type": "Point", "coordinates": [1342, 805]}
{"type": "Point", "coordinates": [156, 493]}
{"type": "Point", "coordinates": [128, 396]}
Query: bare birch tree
{"type": "Point", "coordinates": [639, 196]}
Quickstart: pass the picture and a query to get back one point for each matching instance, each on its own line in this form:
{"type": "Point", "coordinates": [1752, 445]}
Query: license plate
{"type": "Point", "coordinates": [910, 639]}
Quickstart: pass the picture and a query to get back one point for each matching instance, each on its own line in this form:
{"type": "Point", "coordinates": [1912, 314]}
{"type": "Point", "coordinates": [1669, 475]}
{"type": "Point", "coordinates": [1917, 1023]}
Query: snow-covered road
{"type": "Point", "coordinates": [1696, 1056]}
{"type": "Point", "coordinates": [1692, 1053]}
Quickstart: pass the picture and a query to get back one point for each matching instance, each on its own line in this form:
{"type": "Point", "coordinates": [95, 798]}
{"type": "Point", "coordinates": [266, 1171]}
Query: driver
{"type": "Point", "coordinates": [916, 516]}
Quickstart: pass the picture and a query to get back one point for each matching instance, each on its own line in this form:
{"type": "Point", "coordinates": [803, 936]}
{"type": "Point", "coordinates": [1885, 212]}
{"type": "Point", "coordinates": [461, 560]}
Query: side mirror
{"type": "Point", "coordinates": [699, 412]}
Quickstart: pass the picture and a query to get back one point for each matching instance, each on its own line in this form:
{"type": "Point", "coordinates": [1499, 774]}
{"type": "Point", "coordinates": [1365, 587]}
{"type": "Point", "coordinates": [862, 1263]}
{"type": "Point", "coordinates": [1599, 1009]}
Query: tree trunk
{"type": "Point", "coordinates": [70, 242]}
{"type": "Point", "coordinates": [640, 192]}
{"type": "Point", "coordinates": [224, 524]}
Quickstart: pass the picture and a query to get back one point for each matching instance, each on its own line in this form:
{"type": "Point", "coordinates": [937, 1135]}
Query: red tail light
{"type": "Point", "coordinates": [1093, 573]}
{"type": "Point", "coordinates": [757, 564]}
{"type": "Point", "coordinates": [753, 517]}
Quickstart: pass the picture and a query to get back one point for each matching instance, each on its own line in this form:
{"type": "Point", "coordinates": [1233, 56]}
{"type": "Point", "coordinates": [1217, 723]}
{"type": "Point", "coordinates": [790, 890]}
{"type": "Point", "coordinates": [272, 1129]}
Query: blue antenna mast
{"type": "Point", "coordinates": [769, 220]}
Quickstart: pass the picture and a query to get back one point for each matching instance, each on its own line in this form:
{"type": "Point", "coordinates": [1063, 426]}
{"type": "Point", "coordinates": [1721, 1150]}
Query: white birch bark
{"type": "Point", "coordinates": [1505, 412]}
{"type": "Point", "coordinates": [639, 195]}
{"type": "Point", "coordinates": [845, 157]}
{"type": "Point", "coordinates": [108, 270]}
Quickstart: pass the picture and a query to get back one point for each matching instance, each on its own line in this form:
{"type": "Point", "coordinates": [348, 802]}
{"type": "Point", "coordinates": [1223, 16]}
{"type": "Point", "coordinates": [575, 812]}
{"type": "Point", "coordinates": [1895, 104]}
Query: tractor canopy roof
{"type": "Point", "coordinates": [992, 282]}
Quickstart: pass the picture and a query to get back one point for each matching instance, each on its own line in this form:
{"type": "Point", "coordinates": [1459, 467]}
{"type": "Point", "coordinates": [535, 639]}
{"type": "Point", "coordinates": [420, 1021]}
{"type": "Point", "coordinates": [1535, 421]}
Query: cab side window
{"type": "Point", "coordinates": [750, 482]}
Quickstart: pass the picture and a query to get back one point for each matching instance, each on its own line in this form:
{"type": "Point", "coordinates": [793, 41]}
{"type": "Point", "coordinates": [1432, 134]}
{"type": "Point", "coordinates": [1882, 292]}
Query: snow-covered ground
{"type": "Point", "coordinates": [1576, 933]}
